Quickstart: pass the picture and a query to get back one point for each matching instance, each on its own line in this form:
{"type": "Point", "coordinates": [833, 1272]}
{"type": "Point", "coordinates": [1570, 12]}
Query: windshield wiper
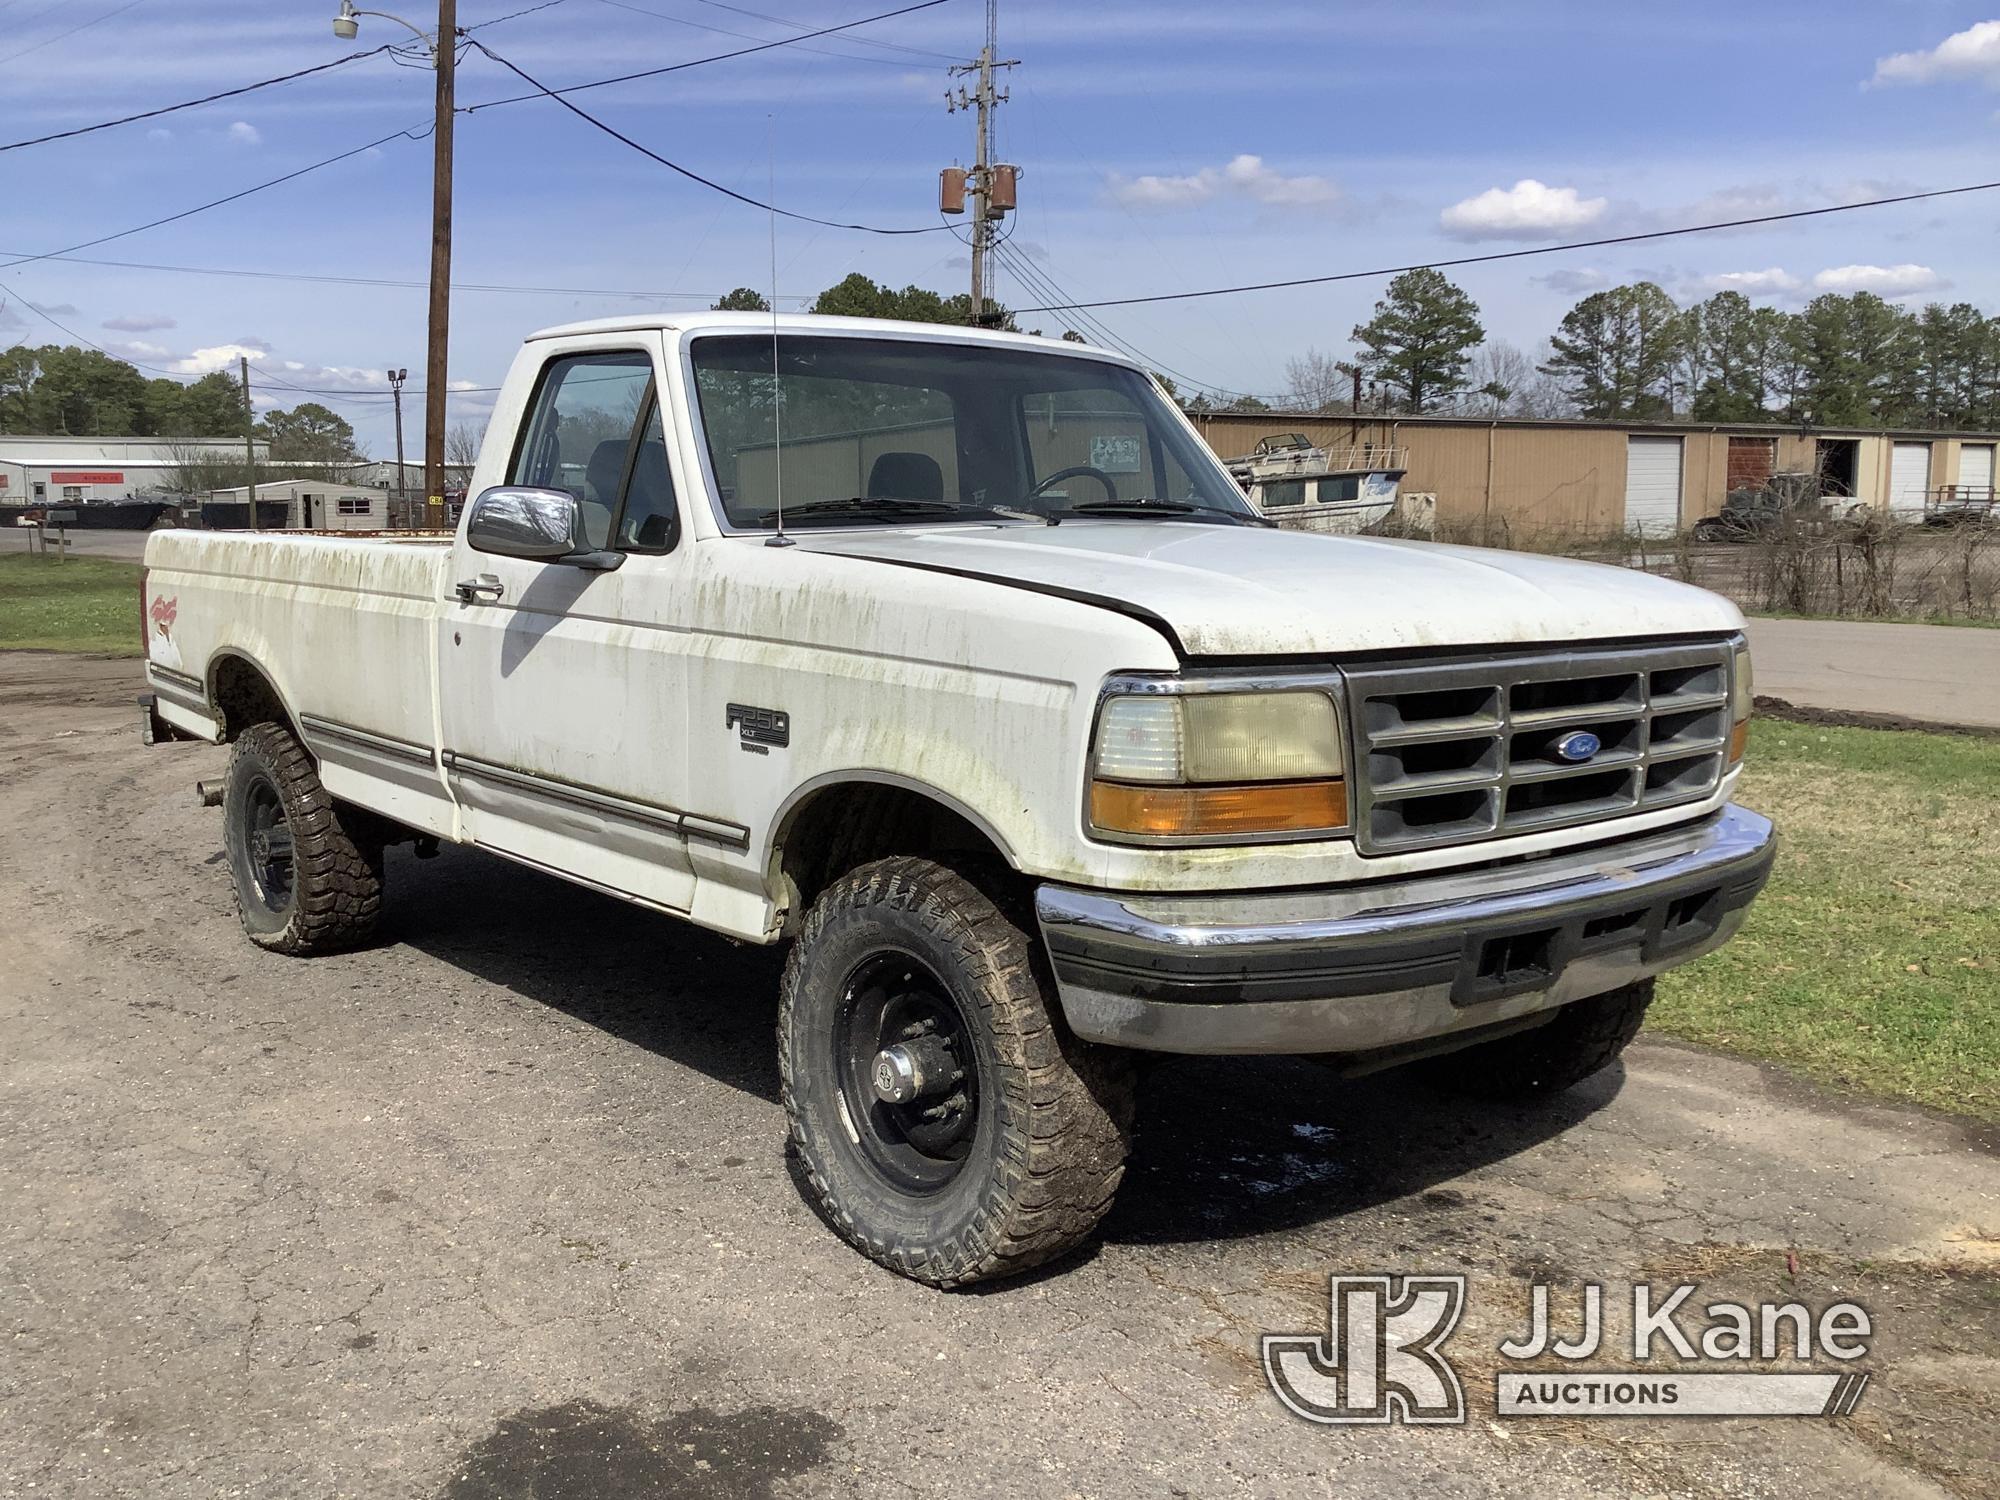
{"type": "Point", "coordinates": [1145, 507]}
{"type": "Point", "coordinates": [889, 505]}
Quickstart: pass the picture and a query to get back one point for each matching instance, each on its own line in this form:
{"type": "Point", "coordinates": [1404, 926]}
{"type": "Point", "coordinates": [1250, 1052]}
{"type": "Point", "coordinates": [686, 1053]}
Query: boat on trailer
{"type": "Point", "coordinates": [1343, 490]}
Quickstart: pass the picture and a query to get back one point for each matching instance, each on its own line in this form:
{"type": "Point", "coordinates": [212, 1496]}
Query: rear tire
{"type": "Point", "coordinates": [1015, 1157]}
{"type": "Point", "coordinates": [306, 883]}
{"type": "Point", "coordinates": [1584, 1037]}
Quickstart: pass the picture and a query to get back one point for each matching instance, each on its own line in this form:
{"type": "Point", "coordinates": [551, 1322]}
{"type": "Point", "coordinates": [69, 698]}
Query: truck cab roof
{"type": "Point", "coordinates": [800, 324]}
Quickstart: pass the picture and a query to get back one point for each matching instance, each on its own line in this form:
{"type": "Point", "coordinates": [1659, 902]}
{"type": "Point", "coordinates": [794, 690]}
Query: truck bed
{"type": "Point", "coordinates": [320, 616]}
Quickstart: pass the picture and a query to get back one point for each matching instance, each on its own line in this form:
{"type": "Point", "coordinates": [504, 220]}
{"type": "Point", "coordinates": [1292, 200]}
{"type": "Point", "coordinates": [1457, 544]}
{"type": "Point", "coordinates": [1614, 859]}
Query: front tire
{"type": "Point", "coordinates": [1583, 1038]}
{"type": "Point", "coordinates": [1014, 1144]}
{"type": "Point", "coordinates": [305, 883]}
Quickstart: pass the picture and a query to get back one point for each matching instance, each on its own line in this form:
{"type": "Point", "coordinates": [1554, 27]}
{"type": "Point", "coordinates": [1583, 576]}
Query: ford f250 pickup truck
{"type": "Point", "coordinates": [956, 661]}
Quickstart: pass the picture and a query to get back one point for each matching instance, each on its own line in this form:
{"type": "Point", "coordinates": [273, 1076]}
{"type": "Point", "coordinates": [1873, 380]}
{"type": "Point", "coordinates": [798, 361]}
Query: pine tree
{"type": "Point", "coordinates": [1421, 339]}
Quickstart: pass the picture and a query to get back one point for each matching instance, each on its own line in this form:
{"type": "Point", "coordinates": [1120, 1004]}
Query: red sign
{"type": "Point", "coordinates": [87, 476]}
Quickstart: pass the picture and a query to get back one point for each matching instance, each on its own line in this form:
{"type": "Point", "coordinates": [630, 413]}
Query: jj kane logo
{"type": "Point", "coordinates": [1382, 1357]}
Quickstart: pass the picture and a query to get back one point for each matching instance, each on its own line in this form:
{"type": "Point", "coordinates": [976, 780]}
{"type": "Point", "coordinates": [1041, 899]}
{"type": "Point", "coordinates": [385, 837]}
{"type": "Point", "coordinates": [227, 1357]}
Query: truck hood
{"type": "Point", "coordinates": [1258, 592]}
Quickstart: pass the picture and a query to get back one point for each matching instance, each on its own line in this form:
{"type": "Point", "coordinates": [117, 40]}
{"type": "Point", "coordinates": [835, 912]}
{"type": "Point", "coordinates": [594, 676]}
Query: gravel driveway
{"type": "Point", "coordinates": [501, 1208]}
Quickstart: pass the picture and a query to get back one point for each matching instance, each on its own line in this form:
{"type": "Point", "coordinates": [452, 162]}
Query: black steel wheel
{"type": "Point", "coordinates": [306, 880]}
{"type": "Point", "coordinates": [898, 1021]}
{"type": "Point", "coordinates": [946, 1124]}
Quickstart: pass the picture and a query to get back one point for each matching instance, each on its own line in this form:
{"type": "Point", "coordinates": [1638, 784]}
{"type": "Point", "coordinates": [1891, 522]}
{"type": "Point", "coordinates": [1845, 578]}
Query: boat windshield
{"type": "Point", "coordinates": [891, 432]}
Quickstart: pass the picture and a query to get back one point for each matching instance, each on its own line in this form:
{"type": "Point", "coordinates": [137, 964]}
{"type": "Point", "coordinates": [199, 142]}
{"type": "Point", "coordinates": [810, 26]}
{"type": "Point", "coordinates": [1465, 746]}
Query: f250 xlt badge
{"type": "Point", "coordinates": [761, 728]}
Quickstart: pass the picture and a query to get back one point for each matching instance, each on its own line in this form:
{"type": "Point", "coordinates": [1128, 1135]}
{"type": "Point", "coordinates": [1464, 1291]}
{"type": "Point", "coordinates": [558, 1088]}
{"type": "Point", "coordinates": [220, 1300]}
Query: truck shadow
{"type": "Point", "coordinates": [1226, 1147]}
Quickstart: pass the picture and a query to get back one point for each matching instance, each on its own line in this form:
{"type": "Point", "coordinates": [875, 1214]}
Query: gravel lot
{"type": "Point", "coordinates": [501, 1209]}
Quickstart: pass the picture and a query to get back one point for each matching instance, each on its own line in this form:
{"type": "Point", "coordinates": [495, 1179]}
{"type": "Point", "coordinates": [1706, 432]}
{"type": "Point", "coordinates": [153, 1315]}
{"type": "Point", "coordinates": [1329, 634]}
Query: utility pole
{"type": "Point", "coordinates": [990, 185]}
{"type": "Point", "coordinates": [436, 365]}
{"type": "Point", "coordinates": [249, 445]}
{"type": "Point", "coordinates": [443, 49]}
{"type": "Point", "coordinates": [396, 379]}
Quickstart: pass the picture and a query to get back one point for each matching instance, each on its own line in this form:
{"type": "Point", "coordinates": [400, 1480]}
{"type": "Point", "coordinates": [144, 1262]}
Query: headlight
{"type": "Point", "coordinates": [1741, 699]}
{"type": "Point", "coordinates": [1206, 765]}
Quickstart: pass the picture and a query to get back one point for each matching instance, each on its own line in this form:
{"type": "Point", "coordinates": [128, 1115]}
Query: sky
{"type": "Point", "coordinates": [1165, 147]}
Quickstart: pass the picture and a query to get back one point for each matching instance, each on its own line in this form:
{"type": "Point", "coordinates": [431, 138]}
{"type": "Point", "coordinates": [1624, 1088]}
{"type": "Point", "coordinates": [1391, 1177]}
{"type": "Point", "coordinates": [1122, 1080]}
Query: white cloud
{"type": "Point", "coordinates": [1772, 281]}
{"type": "Point", "coordinates": [138, 323]}
{"type": "Point", "coordinates": [55, 309]}
{"type": "Point", "coordinates": [1575, 280]}
{"type": "Point", "coordinates": [243, 133]}
{"type": "Point", "coordinates": [138, 349]}
{"type": "Point", "coordinates": [1529, 210]}
{"type": "Point", "coordinates": [1971, 53]}
{"type": "Point", "coordinates": [219, 357]}
{"type": "Point", "coordinates": [1885, 281]}
{"type": "Point", "coordinates": [1244, 176]}
{"type": "Point", "coordinates": [159, 133]}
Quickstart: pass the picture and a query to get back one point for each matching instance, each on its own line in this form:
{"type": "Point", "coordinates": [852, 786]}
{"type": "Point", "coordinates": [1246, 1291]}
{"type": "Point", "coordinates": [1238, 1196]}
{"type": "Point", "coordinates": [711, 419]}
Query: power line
{"type": "Point", "coordinates": [168, 109]}
{"type": "Point", "coordinates": [691, 175]}
{"type": "Point", "coordinates": [660, 15]}
{"type": "Point", "coordinates": [512, 15]}
{"type": "Point", "coordinates": [1497, 255]}
{"type": "Point", "coordinates": [329, 279]}
{"type": "Point", "coordinates": [696, 62]}
{"type": "Point", "coordinates": [413, 133]}
{"type": "Point", "coordinates": [758, 15]}
{"type": "Point", "coordinates": [60, 35]}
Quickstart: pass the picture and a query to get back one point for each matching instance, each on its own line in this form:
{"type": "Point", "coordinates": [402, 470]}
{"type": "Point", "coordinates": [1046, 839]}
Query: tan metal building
{"type": "Point", "coordinates": [1651, 477]}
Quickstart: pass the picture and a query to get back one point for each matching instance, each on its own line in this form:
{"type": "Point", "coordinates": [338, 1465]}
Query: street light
{"type": "Point", "coordinates": [347, 25]}
{"type": "Point", "coordinates": [443, 50]}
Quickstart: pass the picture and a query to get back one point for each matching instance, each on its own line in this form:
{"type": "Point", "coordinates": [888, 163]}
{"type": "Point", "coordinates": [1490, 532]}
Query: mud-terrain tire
{"type": "Point", "coordinates": [305, 883]}
{"type": "Point", "coordinates": [1026, 1147]}
{"type": "Point", "coordinates": [1583, 1038]}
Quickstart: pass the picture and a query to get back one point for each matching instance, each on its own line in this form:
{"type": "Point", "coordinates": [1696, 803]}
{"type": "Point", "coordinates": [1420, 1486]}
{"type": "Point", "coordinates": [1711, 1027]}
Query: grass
{"type": "Point", "coordinates": [1872, 960]}
{"type": "Point", "coordinates": [78, 604]}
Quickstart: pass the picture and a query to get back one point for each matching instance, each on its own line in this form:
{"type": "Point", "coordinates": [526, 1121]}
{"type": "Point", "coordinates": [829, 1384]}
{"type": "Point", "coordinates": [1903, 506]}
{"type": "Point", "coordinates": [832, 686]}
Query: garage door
{"type": "Point", "coordinates": [1975, 469]}
{"type": "Point", "coordinates": [1653, 486]}
{"type": "Point", "coordinates": [1909, 479]}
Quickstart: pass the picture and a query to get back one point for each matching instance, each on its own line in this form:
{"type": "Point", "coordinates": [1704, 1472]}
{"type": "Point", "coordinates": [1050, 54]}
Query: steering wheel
{"type": "Point", "coordinates": [1077, 471]}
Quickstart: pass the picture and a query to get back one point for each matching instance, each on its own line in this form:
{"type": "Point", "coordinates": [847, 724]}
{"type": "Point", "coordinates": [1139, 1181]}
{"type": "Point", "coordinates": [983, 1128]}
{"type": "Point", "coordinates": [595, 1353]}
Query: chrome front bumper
{"type": "Point", "coordinates": [1399, 966]}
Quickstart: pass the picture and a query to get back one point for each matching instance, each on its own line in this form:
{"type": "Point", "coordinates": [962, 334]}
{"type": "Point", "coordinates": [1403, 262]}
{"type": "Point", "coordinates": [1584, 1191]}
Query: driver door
{"type": "Point", "coordinates": [563, 689]}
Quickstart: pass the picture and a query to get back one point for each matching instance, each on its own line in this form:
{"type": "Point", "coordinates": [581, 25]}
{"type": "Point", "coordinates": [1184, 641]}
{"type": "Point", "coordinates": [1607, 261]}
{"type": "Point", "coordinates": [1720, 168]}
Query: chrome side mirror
{"type": "Point", "coordinates": [541, 525]}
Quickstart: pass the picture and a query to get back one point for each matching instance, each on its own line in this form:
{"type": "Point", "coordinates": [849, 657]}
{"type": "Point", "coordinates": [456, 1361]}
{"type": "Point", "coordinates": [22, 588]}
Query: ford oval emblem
{"type": "Point", "coordinates": [1578, 746]}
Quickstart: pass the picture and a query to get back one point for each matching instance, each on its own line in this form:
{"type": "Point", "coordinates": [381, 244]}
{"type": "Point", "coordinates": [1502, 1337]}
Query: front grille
{"type": "Point", "coordinates": [1454, 753]}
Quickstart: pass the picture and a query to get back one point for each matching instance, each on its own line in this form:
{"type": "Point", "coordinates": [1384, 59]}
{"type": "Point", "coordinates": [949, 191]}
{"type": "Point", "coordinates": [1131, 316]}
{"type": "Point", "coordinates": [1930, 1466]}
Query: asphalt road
{"type": "Point", "coordinates": [1946, 674]}
{"type": "Point", "coordinates": [123, 546]}
{"type": "Point", "coordinates": [501, 1208]}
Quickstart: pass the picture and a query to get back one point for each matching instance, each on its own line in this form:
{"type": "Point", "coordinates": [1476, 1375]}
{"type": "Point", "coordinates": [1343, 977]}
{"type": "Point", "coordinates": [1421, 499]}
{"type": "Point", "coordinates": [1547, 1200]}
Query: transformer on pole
{"type": "Point", "coordinates": [990, 185]}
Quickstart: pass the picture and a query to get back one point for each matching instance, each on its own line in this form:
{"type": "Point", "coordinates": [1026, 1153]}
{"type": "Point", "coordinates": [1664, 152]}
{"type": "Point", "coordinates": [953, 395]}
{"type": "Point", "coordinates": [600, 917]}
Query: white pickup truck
{"type": "Point", "coordinates": [958, 662]}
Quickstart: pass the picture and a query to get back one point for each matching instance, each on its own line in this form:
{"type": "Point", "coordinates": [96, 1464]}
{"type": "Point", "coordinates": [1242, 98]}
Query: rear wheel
{"type": "Point", "coordinates": [948, 1127]}
{"type": "Point", "coordinates": [307, 881]}
{"type": "Point", "coordinates": [1582, 1038]}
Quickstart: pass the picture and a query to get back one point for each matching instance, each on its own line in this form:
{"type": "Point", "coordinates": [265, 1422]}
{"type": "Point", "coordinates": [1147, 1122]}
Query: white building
{"type": "Point", "coordinates": [81, 470]}
{"type": "Point", "coordinates": [382, 473]}
{"type": "Point", "coordinates": [319, 504]}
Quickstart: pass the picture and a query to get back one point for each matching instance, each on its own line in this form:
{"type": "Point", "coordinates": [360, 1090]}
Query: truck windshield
{"type": "Point", "coordinates": [890, 432]}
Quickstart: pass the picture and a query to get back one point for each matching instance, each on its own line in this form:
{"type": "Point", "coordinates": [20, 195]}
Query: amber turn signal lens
{"type": "Point", "coordinates": [1738, 738]}
{"type": "Point", "coordinates": [1198, 811]}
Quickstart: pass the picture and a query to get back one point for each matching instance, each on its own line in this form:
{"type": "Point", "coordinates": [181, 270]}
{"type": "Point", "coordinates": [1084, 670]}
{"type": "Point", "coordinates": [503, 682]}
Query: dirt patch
{"type": "Point", "coordinates": [1842, 718]}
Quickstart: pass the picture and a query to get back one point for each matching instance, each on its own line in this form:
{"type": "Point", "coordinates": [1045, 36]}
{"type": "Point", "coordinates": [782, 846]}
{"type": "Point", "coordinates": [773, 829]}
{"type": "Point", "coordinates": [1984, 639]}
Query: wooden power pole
{"type": "Point", "coordinates": [437, 365]}
{"type": "Point", "coordinates": [249, 445]}
{"type": "Point", "coordinates": [990, 186]}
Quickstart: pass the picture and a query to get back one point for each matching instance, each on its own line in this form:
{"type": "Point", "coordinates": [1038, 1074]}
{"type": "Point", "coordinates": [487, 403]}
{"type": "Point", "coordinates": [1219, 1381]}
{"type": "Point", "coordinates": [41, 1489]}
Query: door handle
{"type": "Point", "coordinates": [485, 586]}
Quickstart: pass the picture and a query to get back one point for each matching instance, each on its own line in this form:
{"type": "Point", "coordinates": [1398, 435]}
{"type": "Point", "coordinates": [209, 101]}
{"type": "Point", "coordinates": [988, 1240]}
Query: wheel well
{"type": "Point", "coordinates": [244, 696]}
{"type": "Point", "coordinates": [853, 822]}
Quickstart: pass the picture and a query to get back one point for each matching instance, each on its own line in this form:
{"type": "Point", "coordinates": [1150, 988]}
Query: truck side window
{"type": "Point", "coordinates": [579, 432]}
{"type": "Point", "coordinates": [650, 521]}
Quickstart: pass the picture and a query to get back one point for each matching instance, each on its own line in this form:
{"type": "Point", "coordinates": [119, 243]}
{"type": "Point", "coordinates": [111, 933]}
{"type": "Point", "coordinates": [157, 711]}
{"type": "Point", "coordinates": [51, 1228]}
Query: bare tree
{"type": "Point", "coordinates": [1318, 382]}
{"type": "Point", "coordinates": [1540, 394]}
{"type": "Point", "coordinates": [461, 443]}
{"type": "Point", "coordinates": [1501, 374]}
{"type": "Point", "coordinates": [193, 469]}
